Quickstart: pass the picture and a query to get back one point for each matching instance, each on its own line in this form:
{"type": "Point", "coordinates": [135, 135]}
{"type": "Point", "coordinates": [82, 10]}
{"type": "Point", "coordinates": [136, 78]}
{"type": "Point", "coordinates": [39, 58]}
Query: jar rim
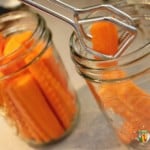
{"type": "Point", "coordinates": [10, 25]}
{"type": "Point", "coordinates": [86, 65]}
{"type": "Point", "coordinates": [96, 59]}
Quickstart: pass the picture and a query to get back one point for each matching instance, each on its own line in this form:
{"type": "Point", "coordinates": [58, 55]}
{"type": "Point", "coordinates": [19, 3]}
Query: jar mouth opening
{"type": "Point", "coordinates": [9, 27]}
{"type": "Point", "coordinates": [135, 62]}
{"type": "Point", "coordinates": [142, 40]}
{"type": "Point", "coordinates": [138, 51]}
{"type": "Point", "coordinates": [22, 21]}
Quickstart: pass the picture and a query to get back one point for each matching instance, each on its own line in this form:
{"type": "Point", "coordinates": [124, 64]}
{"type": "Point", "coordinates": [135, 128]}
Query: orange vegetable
{"type": "Point", "coordinates": [42, 118]}
{"type": "Point", "coordinates": [51, 90]}
{"type": "Point", "coordinates": [55, 67]}
{"type": "Point", "coordinates": [124, 98]}
{"type": "Point", "coordinates": [15, 47]}
{"type": "Point", "coordinates": [37, 100]}
{"type": "Point", "coordinates": [104, 37]}
{"type": "Point", "coordinates": [59, 75]}
{"type": "Point", "coordinates": [14, 115]}
{"type": "Point", "coordinates": [2, 44]}
{"type": "Point", "coordinates": [15, 41]}
{"type": "Point", "coordinates": [127, 106]}
{"type": "Point", "coordinates": [51, 83]}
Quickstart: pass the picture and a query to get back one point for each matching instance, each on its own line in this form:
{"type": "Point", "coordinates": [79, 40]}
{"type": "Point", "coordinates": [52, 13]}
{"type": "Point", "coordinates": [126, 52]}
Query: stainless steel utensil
{"type": "Point", "coordinates": [122, 20]}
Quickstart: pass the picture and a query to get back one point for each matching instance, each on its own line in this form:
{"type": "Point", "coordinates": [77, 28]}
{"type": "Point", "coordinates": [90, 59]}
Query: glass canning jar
{"type": "Point", "coordinates": [36, 96]}
{"type": "Point", "coordinates": [122, 86]}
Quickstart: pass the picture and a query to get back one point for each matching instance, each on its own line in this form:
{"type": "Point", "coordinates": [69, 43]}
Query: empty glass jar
{"type": "Point", "coordinates": [36, 96]}
{"type": "Point", "coordinates": [122, 86]}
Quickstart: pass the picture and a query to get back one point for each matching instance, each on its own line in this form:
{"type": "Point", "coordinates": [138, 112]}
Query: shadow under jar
{"type": "Point", "coordinates": [36, 96]}
{"type": "Point", "coordinates": [122, 86]}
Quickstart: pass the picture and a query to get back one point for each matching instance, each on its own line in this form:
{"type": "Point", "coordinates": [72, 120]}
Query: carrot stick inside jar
{"type": "Point", "coordinates": [124, 98]}
{"type": "Point", "coordinates": [38, 99]}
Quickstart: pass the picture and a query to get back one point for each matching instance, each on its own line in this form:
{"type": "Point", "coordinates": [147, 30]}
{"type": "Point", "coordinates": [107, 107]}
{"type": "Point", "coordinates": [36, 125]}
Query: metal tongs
{"type": "Point", "coordinates": [121, 19]}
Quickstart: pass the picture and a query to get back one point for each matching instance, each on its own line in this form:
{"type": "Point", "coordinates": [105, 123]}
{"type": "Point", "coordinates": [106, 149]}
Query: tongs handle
{"type": "Point", "coordinates": [48, 11]}
{"type": "Point", "coordinates": [64, 5]}
{"type": "Point", "coordinates": [107, 7]}
{"type": "Point", "coordinates": [77, 11]}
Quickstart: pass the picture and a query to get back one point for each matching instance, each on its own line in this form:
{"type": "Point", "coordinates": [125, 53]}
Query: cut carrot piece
{"type": "Point", "coordinates": [2, 43]}
{"type": "Point", "coordinates": [21, 37]}
{"type": "Point", "coordinates": [25, 130]}
{"type": "Point", "coordinates": [51, 91]}
{"type": "Point", "coordinates": [112, 74]}
{"type": "Point", "coordinates": [104, 37]}
{"type": "Point", "coordinates": [10, 109]}
{"type": "Point", "coordinates": [42, 118]}
{"type": "Point", "coordinates": [42, 87]}
{"type": "Point", "coordinates": [11, 46]}
{"type": "Point", "coordinates": [127, 133]}
{"type": "Point", "coordinates": [59, 75]}
{"type": "Point", "coordinates": [51, 62]}
{"type": "Point", "coordinates": [51, 86]}
{"type": "Point", "coordinates": [16, 41]}
{"type": "Point", "coordinates": [27, 116]}
{"type": "Point", "coordinates": [55, 67]}
{"type": "Point", "coordinates": [124, 98]}
{"type": "Point", "coordinates": [127, 105]}
{"type": "Point", "coordinates": [14, 48]}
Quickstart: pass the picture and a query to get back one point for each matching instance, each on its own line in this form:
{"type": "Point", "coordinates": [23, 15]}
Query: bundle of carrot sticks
{"type": "Point", "coordinates": [37, 99]}
{"type": "Point", "coordinates": [124, 99]}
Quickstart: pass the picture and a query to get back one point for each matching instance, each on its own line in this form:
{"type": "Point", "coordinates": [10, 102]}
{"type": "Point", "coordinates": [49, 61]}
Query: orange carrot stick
{"type": "Point", "coordinates": [62, 97]}
{"type": "Point", "coordinates": [25, 130]}
{"type": "Point", "coordinates": [42, 117]}
{"type": "Point", "coordinates": [124, 104]}
{"type": "Point", "coordinates": [55, 67]}
{"type": "Point", "coordinates": [104, 37]}
{"type": "Point", "coordinates": [59, 75]}
{"type": "Point", "coordinates": [47, 84]}
{"type": "Point", "coordinates": [61, 102]}
{"type": "Point", "coordinates": [117, 95]}
{"type": "Point", "coordinates": [127, 133]}
{"type": "Point", "coordinates": [15, 41]}
{"type": "Point", "coordinates": [27, 116]}
{"type": "Point", "coordinates": [2, 44]}
{"type": "Point", "coordinates": [11, 111]}
{"type": "Point", "coordinates": [15, 47]}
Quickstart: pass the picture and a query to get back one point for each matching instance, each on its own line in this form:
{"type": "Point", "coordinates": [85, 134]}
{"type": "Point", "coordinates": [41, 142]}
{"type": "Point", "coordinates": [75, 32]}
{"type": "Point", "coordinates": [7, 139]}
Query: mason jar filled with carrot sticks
{"type": "Point", "coordinates": [121, 86]}
{"type": "Point", "coordinates": [36, 96]}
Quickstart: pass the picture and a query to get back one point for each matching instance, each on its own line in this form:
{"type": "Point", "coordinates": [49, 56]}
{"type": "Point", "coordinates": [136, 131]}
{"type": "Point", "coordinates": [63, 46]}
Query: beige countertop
{"type": "Point", "coordinates": [91, 132]}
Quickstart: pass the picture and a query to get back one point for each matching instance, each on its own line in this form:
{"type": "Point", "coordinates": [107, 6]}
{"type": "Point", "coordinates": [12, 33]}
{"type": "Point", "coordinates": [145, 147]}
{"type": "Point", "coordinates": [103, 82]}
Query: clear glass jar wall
{"type": "Point", "coordinates": [36, 95]}
{"type": "Point", "coordinates": [122, 86]}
